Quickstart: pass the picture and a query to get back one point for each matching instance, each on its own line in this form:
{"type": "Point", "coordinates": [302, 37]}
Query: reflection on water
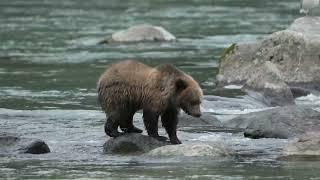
{"type": "Point", "coordinates": [50, 62]}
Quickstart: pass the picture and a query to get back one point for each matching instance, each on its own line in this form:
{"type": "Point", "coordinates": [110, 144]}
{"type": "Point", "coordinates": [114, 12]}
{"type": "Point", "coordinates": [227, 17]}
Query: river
{"type": "Point", "coordinates": [50, 62]}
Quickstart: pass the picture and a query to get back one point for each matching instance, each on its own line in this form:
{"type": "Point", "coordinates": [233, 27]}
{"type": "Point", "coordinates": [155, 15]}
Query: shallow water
{"type": "Point", "coordinates": [50, 62]}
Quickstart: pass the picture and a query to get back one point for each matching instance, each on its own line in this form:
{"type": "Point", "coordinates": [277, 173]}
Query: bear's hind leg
{"type": "Point", "coordinates": [150, 120]}
{"type": "Point", "coordinates": [111, 127]}
{"type": "Point", "coordinates": [169, 121]}
{"type": "Point", "coordinates": [127, 126]}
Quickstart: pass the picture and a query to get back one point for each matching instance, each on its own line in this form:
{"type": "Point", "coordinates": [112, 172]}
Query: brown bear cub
{"type": "Point", "coordinates": [129, 86]}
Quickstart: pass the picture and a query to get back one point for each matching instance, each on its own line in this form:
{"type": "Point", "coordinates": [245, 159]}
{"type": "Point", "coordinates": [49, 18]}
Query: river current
{"type": "Point", "coordinates": [50, 62]}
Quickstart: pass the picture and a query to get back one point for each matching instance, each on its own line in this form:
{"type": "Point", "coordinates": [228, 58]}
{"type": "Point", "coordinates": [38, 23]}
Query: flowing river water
{"type": "Point", "coordinates": [50, 62]}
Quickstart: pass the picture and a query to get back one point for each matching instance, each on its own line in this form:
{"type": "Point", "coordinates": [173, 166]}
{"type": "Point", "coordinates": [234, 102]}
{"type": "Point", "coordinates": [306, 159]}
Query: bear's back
{"type": "Point", "coordinates": [128, 72]}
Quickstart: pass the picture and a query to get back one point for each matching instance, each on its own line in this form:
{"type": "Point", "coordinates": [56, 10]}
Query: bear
{"type": "Point", "coordinates": [129, 86]}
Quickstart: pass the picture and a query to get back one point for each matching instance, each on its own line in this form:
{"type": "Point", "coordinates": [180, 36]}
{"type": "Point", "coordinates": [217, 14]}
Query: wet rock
{"type": "Point", "coordinates": [10, 144]}
{"type": "Point", "coordinates": [192, 150]}
{"type": "Point", "coordinates": [141, 33]}
{"type": "Point", "coordinates": [206, 119]}
{"type": "Point", "coordinates": [35, 147]}
{"type": "Point", "coordinates": [308, 26]}
{"type": "Point", "coordinates": [295, 52]}
{"type": "Point", "coordinates": [281, 122]}
{"type": "Point", "coordinates": [132, 144]}
{"type": "Point", "coordinates": [299, 92]}
{"type": "Point", "coordinates": [269, 84]}
{"type": "Point", "coordinates": [307, 144]}
{"type": "Point", "coordinates": [236, 64]}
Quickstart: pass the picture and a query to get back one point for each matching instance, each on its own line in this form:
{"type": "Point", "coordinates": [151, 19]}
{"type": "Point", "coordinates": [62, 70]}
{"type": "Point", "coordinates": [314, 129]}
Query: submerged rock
{"type": "Point", "coordinates": [281, 122]}
{"type": "Point", "coordinates": [192, 150]}
{"type": "Point", "coordinates": [132, 144]}
{"type": "Point", "coordinates": [10, 144]}
{"type": "Point", "coordinates": [307, 144]}
{"type": "Point", "coordinates": [294, 52]}
{"type": "Point", "coordinates": [141, 33]}
{"type": "Point", "coordinates": [35, 147]}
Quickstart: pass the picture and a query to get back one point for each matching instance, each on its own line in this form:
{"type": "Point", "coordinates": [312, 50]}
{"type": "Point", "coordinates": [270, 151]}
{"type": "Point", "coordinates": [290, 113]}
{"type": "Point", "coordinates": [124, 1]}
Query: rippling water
{"type": "Point", "coordinates": [50, 61]}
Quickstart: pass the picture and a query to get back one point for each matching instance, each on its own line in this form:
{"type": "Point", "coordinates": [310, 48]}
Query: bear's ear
{"type": "Point", "coordinates": [180, 85]}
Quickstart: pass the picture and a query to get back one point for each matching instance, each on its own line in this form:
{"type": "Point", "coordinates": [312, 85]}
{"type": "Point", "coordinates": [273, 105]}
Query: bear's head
{"type": "Point", "coordinates": [189, 96]}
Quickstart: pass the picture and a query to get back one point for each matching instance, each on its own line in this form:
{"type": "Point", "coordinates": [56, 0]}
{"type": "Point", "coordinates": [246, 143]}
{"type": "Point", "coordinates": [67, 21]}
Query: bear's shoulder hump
{"type": "Point", "coordinates": [168, 68]}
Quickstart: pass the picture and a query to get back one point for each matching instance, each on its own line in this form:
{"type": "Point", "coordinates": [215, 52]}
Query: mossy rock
{"type": "Point", "coordinates": [226, 52]}
{"type": "Point", "coordinates": [223, 58]}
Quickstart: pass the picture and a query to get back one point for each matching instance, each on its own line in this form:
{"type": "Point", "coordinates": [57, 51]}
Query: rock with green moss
{"type": "Point", "coordinates": [295, 53]}
{"type": "Point", "coordinates": [235, 63]}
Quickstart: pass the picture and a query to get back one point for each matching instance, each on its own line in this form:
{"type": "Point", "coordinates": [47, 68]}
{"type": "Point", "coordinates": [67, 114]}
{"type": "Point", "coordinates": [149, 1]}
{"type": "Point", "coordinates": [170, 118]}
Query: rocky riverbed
{"type": "Point", "coordinates": [50, 60]}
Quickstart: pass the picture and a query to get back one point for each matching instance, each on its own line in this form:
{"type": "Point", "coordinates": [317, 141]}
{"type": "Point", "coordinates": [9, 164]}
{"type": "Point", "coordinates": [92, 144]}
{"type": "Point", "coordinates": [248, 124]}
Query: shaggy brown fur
{"type": "Point", "coordinates": [128, 86]}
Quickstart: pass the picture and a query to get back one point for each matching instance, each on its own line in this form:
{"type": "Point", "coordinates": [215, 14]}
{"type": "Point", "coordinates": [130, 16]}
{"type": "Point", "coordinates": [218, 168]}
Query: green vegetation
{"type": "Point", "coordinates": [226, 51]}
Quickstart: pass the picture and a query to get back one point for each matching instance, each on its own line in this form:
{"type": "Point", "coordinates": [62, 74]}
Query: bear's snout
{"type": "Point", "coordinates": [196, 114]}
{"type": "Point", "coordinates": [193, 111]}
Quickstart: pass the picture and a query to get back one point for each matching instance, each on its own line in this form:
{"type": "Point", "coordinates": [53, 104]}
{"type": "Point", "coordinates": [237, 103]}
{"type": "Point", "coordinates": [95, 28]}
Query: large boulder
{"type": "Point", "coordinates": [236, 63]}
{"type": "Point", "coordinates": [268, 83]}
{"type": "Point", "coordinates": [141, 33]}
{"type": "Point", "coordinates": [307, 144]}
{"type": "Point", "coordinates": [192, 150]}
{"type": "Point", "coordinates": [281, 122]}
{"type": "Point", "coordinates": [295, 53]}
{"type": "Point", "coordinates": [133, 143]}
{"type": "Point", "coordinates": [10, 144]}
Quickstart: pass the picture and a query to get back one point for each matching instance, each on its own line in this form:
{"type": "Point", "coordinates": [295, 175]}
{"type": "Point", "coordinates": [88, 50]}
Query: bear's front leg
{"type": "Point", "coordinates": [111, 128]}
{"type": "Point", "coordinates": [150, 120]}
{"type": "Point", "coordinates": [169, 121]}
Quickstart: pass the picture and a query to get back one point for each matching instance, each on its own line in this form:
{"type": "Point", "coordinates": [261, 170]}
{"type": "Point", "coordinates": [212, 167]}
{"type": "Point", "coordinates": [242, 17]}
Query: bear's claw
{"type": "Point", "coordinates": [131, 130]}
{"type": "Point", "coordinates": [115, 134]}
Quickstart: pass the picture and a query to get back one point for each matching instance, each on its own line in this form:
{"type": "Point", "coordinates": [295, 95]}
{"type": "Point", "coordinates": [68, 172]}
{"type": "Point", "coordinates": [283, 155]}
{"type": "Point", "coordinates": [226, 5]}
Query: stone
{"type": "Point", "coordinates": [307, 144]}
{"type": "Point", "coordinates": [35, 147]}
{"type": "Point", "coordinates": [280, 122]}
{"type": "Point", "coordinates": [236, 63]}
{"type": "Point", "coordinates": [268, 83]}
{"type": "Point", "coordinates": [141, 33]}
{"type": "Point", "coordinates": [294, 54]}
{"type": "Point", "coordinates": [192, 150]}
{"type": "Point", "coordinates": [11, 144]}
{"type": "Point", "coordinates": [132, 143]}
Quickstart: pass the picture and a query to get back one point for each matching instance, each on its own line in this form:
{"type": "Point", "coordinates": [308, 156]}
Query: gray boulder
{"type": "Point", "coordinates": [192, 150]}
{"type": "Point", "coordinates": [141, 33]}
{"type": "Point", "coordinates": [10, 144]}
{"type": "Point", "coordinates": [307, 144]}
{"type": "Point", "coordinates": [294, 52]}
{"type": "Point", "coordinates": [281, 122]}
{"type": "Point", "coordinates": [237, 63]}
{"type": "Point", "coordinates": [132, 144]}
{"type": "Point", "coordinates": [268, 83]}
